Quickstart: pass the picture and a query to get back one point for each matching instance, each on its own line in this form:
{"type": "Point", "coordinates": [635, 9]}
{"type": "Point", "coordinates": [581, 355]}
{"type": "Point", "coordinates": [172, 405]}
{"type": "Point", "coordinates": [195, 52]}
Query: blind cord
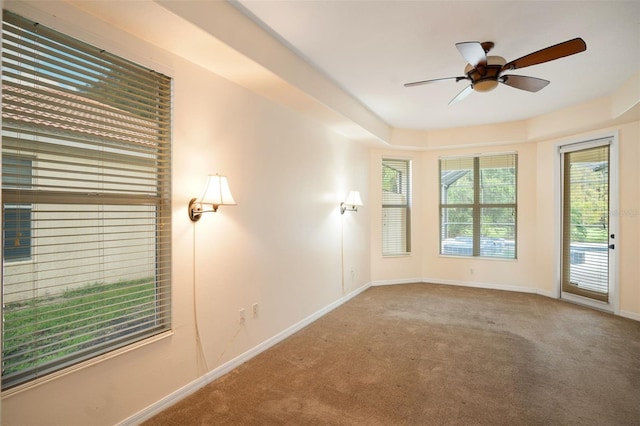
{"type": "Point", "coordinates": [342, 251]}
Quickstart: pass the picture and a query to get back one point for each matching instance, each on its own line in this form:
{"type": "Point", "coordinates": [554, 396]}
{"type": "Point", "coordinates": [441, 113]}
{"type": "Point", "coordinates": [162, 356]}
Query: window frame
{"type": "Point", "coordinates": [96, 129]}
{"type": "Point", "coordinates": [476, 207]}
{"type": "Point", "coordinates": [404, 188]}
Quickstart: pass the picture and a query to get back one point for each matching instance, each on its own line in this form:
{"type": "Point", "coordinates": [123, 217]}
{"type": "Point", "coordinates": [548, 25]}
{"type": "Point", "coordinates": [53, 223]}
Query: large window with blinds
{"type": "Point", "coordinates": [478, 206]}
{"type": "Point", "coordinates": [396, 207]}
{"type": "Point", "coordinates": [86, 184]}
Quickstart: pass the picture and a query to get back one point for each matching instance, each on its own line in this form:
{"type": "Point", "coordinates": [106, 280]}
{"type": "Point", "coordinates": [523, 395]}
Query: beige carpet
{"type": "Point", "coordinates": [422, 354]}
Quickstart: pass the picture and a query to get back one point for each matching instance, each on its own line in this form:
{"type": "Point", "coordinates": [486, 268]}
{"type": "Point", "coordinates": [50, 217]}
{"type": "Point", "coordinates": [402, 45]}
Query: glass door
{"type": "Point", "coordinates": [587, 242]}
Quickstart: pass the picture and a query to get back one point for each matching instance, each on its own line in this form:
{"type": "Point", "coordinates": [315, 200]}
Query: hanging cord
{"type": "Point", "coordinates": [342, 251]}
{"type": "Point", "coordinates": [201, 359]}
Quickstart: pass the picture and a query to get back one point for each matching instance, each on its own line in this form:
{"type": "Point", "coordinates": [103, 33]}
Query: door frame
{"type": "Point", "coordinates": [613, 305]}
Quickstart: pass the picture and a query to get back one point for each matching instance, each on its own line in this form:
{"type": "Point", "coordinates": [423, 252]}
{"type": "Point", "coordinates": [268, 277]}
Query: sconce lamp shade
{"type": "Point", "coordinates": [352, 202]}
{"type": "Point", "coordinates": [353, 199]}
{"type": "Point", "coordinates": [216, 193]}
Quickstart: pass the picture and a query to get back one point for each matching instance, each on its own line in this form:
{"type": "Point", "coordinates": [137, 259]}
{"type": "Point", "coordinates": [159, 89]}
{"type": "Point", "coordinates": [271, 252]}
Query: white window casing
{"type": "Point", "coordinates": [95, 129]}
{"type": "Point", "coordinates": [396, 207]}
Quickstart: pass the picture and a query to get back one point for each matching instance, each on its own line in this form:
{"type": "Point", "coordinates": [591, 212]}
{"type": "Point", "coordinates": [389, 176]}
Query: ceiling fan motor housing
{"type": "Point", "coordinates": [485, 77]}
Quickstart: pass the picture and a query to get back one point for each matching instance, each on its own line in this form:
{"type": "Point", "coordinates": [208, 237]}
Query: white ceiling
{"type": "Point", "coordinates": [371, 48]}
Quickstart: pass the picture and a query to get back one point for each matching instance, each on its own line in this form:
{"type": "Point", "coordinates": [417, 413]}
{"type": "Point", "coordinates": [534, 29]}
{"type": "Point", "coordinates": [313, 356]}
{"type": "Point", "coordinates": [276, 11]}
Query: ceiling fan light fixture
{"type": "Point", "coordinates": [485, 85]}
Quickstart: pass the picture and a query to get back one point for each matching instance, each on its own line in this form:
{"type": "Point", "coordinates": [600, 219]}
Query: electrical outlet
{"type": "Point", "coordinates": [254, 310]}
{"type": "Point", "coordinates": [242, 317]}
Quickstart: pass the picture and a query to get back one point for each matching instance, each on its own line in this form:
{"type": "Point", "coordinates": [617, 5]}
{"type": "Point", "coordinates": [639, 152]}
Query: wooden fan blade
{"type": "Point", "coordinates": [530, 84]}
{"type": "Point", "coordinates": [418, 83]}
{"type": "Point", "coordinates": [473, 53]}
{"type": "Point", "coordinates": [460, 96]}
{"type": "Point", "coordinates": [550, 53]}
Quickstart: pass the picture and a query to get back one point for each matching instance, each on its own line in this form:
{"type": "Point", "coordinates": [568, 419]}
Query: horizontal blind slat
{"type": "Point", "coordinates": [25, 33]}
{"type": "Point", "coordinates": [19, 98]}
{"type": "Point", "coordinates": [158, 113]}
{"type": "Point", "coordinates": [79, 158]}
{"type": "Point", "coordinates": [32, 71]}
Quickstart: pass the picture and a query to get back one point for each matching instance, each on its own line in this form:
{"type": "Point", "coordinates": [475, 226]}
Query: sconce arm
{"type": "Point", "coordinates": [344, 207]}
{"type": "Point", "coordinates": [196, 210]}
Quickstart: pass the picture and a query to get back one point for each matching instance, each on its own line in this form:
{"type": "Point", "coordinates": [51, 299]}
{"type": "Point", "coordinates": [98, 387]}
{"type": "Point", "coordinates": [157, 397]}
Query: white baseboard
{"type": "Point", "coordinates": [394, 282]}
{"type": "Point", "coordinates": [489, 286]}
{"type": "Point", "coordinates": [228, 366]}
{"type": "Point", "coordinates": [547, 293]}
{"type": "Point", "coordinates": [465, 284]}
{"type": "Point", "coordinates": [630, 315]}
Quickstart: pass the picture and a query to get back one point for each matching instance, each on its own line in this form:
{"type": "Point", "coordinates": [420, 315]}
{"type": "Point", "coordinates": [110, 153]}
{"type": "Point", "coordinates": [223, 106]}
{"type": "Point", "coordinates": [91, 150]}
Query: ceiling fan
{"type": "Point", "coordinates": [485, 72]}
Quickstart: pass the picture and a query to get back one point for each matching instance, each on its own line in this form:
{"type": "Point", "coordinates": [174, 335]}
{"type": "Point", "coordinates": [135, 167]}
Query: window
{"type": "Point", "coordinates": [17, 233]}
{"type": "Point", "coordinates": [396, 207]}
{"type": "Point", "coordinates": [86, 199]}
{"type": "Point", "coordinates": [478, 208]}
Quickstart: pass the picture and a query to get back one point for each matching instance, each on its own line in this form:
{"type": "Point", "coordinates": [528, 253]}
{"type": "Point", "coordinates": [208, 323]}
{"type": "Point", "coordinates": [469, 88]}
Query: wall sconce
{"type": "Point", "coordinates": [351, 203]}
{"type": "Point", "coordinates": [216, 193]}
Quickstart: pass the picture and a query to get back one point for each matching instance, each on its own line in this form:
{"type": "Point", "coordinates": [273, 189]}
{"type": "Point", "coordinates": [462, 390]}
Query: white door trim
{"type": "Point", "coordinates": [572, 145]}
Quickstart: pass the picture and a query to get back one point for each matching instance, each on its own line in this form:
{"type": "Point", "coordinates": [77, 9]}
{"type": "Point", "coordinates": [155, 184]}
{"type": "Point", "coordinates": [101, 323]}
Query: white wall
{"type": "Point", "coordinates": [629, 221]}
{"type": "Point", "coordinates": [279, 247]}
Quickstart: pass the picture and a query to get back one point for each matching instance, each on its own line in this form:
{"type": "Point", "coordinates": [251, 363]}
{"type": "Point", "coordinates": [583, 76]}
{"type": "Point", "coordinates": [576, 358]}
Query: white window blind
{"type": "Point", "coordinates": [585, 266]}
{"type": "Point", "coordinates": [396, 207]}
{"type": "Point", "coordinates": [86, 186]}
{"type": "Point", "coordinates": [478, 206]}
